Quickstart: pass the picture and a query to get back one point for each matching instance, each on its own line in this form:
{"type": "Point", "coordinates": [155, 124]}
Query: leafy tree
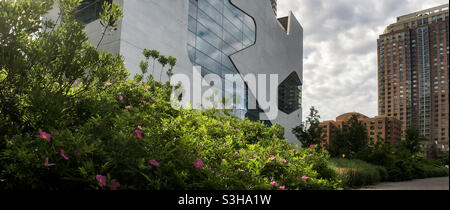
{"type": "Point", "coordinates": [163, 60]}
{"type": "Point", "coordinates": [41, 61]}
{"type": "Point", "coordinates": [339, 144]}
{"type": "Point", "coordinates": [172, 62]}
{"type": "Point", "coordinates": [109, 16]}
{"type": "Point", "coordinates": [349, 140]}
{"type": "Point", "coordinates": [356, 135]}
{"type": "Point", "coordinates": [309, 132]}
{"type": "Point", "coordinates": [413, 139]}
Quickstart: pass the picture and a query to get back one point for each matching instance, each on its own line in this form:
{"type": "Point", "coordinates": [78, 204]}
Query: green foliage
{"type": "Point", "coordinates": [354, 173]}
{"type": "Point", "coordinates": [236, 153]}
{"type": "Point", "coordinates": [412, 141]}
{"type": "Point", "coordinates": [110, 14]}
{"type": "Point", "coordinates": [105, 127]}
{"type": "Point", "coordinates": [349, 141]}
{"type": "Point", "coordinates": [309, 132]}
{"type": "Point", "coordinates": [400, 162]}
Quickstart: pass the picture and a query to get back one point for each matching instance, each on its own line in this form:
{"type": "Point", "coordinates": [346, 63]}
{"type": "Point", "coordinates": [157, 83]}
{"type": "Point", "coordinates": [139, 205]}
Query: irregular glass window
{"type": "Point", "coordinates": [217, 29]}
{"type": "Point", "coordinates": [290, 94]}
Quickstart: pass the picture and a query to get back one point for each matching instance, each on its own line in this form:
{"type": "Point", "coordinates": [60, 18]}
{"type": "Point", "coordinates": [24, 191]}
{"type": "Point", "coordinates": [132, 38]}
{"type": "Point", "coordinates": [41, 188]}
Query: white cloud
{"type": "Point", "coordinates": [340, 56]}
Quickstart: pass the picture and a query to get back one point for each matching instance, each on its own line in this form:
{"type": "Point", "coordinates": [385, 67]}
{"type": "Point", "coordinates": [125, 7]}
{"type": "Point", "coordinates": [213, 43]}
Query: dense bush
{"type": "Point", "coordinates": [354, 173]}
{"type": "Point", "coordinates": [401, 163]}
{"type": "Point", "coordinates": [73, 121]}
{"type": "Point", "coordinates": [149, 145]}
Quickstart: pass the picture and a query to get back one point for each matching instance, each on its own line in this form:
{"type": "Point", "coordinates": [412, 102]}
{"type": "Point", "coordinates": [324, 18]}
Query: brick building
{"type": "Point", "coordinates": [413, 73]}
{"type": "Point", "coordinates": [388, 128]}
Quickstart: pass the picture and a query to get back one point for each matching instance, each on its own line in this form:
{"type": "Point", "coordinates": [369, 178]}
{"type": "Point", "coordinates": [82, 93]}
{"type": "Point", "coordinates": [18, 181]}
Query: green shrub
{"type": "Point", "coordinates": [435, 171]}
{"type": "Point", "coordinates": [236, 153]}
{"type": "Point", "coordinates": [355, 172]}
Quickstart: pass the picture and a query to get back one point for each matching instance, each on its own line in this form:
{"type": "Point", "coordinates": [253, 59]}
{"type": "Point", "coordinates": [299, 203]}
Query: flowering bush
{"type": "Point", "coordinates": [91, 128]}
{"type": "Point", "coordinates": [152, 146]}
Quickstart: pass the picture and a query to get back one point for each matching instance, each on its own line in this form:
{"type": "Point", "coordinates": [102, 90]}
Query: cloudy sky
{"type": "Point", "coordinates": [340, 50]}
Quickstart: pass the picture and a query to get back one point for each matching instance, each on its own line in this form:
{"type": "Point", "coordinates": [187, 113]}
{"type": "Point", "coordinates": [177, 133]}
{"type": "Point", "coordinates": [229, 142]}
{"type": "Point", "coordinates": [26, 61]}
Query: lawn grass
{"type": "Point", "coordinates": [356, 173]}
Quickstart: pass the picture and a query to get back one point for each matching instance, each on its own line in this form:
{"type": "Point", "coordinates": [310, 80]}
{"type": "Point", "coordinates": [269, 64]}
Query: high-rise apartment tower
{"type": "Point", "coordinates": [413, 73]}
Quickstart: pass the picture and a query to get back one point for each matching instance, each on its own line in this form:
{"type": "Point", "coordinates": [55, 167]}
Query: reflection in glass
{"type": "Point", "coordinates": [217, 30]}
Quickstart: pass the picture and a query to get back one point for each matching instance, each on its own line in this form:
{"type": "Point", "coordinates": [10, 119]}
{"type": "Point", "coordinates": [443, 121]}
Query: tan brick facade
{"type": "Point", "coordinates": [388, 128]}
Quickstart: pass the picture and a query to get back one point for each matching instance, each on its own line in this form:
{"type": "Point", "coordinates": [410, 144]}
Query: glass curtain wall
{"type": "Point", "coordinates": [217, 30]}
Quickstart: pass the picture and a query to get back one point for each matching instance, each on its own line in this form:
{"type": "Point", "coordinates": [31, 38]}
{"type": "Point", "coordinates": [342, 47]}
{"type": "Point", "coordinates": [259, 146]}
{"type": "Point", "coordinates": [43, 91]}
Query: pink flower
{"type": "Point", "coordinates": [145, 90]}
{"type": "Point", "coordinates": [154, 162]}
{"type": "Point", "coordinates": [138, 134]}
{"type": "Point", "coordinates": [128, 107]}
{"type": "Point", "coordinates": [153, 98]}
{"type": "Point", "coordinates": [48, 164]}
{"type": "Point", "coordinates": [284, 160]}
{"type": "Point", "coordinates": [101, 180]}
{"type": "Point", "coordinates": [237, 129]}
{"type": "Point", "coordinates": [140, 127]}
{"type": "Point", "coordinates": [304, 178]}
{"type": "Point", "coordinates": [107, 84]}
{"type": "Point", "coordinates": [198, 163]}
{"type": "Point", "coordinates": [120, 98]}
{"type": "Point", "coordinates": [282, 188]}
{"type": "Point", "coordinates": [63, 154]}
{"type": "Point", "coordinates": [148, 103]}
{"type": "Point", "coordinates": [270, 162]}
{"type": "Point", "coordinates": [310, 155]}
{"type": "Point", "coordinates": [272, 158]}
{"type": "Point", "coordinates": [255, 156]}
{"type": "Point", "coordinates": [229, 126]}
{"type": "Point", "coordinates": [311, 146]}
{"type": "Point", "coordinates": [114, 185]}
{"type": "Point", "coordinates": [240, 170]}
{"type": "Point", "coordinates": [293, 150]}
{"type": "Point", "coordinates": [45, 136]}
{"type": "Point", "coordinates": [273, 183]}
{"type": "Point", "coordinates": [142, 101]}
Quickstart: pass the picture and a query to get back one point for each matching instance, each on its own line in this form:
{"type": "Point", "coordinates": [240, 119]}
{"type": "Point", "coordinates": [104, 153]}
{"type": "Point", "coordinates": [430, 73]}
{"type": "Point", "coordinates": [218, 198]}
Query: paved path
{"type": "Point", "coordinates": [440, 183]}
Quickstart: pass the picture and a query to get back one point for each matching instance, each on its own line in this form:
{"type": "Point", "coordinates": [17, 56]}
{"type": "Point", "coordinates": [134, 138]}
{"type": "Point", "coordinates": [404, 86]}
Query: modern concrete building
{"type": "Point", "coordinates": [388, 128]}
{"type": "Point", "coordinates": [413, 73]}
{"type": "Point", "coordinates": [221, 36]}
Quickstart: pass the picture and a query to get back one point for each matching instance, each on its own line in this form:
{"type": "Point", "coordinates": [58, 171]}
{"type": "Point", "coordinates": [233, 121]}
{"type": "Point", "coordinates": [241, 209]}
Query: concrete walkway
{"type": "Point", "coordinates": [441, 183]}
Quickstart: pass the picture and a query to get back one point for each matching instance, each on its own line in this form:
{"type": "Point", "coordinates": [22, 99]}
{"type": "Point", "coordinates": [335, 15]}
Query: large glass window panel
{"type": "Point", "coordinates": [232, 17]}
{"type": "Point", "coordinates": [191, 39]}
{"type": "Point", "coordinates": [227, 62]}
{"type": "Point", "coordinates": [229, 39]}
{"type": "Point", "coordinates": [192, 24]}
{"type": "Point", "coordinates": [236, 12]}
{"type": "Point", "coordinates": [219, 30]}
{"type": "Point", "coordinates": [210, 11]}
{"type": "Point", "coordinates": [208, 49]}
{"type": "Point", "coordinates": [209, 23]}
{"type": "Point", "coordinates": [191, 53]}
{"type": "Point", "coordinates": [210, 37]}
{"type": "Point", "coordinates": [218, 4]}
{"type": "Point", "coordinates": [235, 32]}
{"type": "Point", "coordinates": [248, 22]}
{"type": "Point", "coordinates": [207, 62]}
{"type": "Point", "coordinates": [192, 9]}
{"type": "Point", "coordinates": [249, 33]}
